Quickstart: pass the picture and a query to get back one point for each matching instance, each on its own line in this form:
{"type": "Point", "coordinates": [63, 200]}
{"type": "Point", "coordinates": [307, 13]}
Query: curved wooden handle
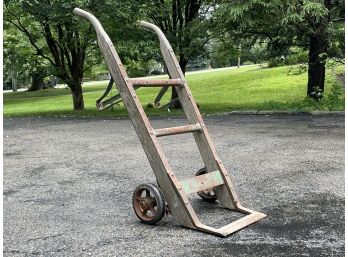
{"type": "Point", "coordinates": [83, 14]}
{"type": "Point", "coordinates": [90, 17]}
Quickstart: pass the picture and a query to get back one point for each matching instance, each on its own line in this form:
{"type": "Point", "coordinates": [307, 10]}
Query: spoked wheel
{"type": "Point", "coordinates": [209, 194]}
{"type": "Point", "coordinates": [148, 203]}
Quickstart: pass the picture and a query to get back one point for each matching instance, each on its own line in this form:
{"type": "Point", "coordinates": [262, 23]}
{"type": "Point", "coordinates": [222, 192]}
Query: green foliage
{"type": "Point", "coordinates": [68, 43]}
{"type": "Point", "coordinates": [135, 45]}
{"type": "Point", "coordinates": [295, 55]}
{"type": "Point", "coordinates": [96, 72]}
{"type": "Point", "coordinates": [185, 23]}
{"type": "Point", "coordinates": [298, 69]}
{"type": "Point", "coordinates": [223, 53]}
{"type": "Point", "coordinates": [20, 60]}
{"type": "Point", "coordinates": [337, 42]}
{"type": "Point", "coordinates": [315, 26]}
{"type": "Point", "coordinates": [333, 101]}
{"type": "Point", "coordinates": [283, 24]}
{"type": "Point", "coordinates": [54, 34]}
{"type": "Point", "coordinates": [139, 68]}
{"type": "Point", "coordinates": [335, 96]}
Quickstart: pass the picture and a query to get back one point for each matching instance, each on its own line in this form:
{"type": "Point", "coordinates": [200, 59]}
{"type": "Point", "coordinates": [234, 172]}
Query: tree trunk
{"type": "Point", "coordinates": [176, 104]}
{"type": "Point", "coordinates": [53, 82]}
{"type": "Point", "coordinates": [239, 53]}
{"type": "Point", "coordinates": [316, 66]}
{"type": "Point", "coordinates": [77, 96]}
{"type": "Point", "coordinates": [36, 82]}
{"type": "Point", "coordinates": [14, 84]}
{"type": "Point", "coordinates": [182, 63]}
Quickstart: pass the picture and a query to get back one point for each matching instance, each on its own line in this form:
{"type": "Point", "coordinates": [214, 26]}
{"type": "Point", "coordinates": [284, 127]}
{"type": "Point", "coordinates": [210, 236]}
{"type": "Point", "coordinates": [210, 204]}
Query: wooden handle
{"type": "Point", "coordinates": [83, 14]}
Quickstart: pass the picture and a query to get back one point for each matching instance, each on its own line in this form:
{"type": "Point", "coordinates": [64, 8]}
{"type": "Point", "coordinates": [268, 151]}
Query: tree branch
{"type": "Point", "coordinates": [21, 28]}
{"type": "Point", "coordinates": [90, 66]}
{"type": "Point", "coordinates": [51, 44]}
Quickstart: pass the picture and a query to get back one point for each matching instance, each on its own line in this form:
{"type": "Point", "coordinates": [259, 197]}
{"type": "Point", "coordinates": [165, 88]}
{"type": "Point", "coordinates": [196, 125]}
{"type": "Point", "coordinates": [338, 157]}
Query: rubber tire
{"type": "Point", "coordinates": [202, 194]}
{"type": "Point", "coordinates": [160, 201]}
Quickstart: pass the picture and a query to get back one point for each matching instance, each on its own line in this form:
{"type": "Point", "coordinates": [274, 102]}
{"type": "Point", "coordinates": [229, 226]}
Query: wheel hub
{"type": "Point", "coordinates": [147, 202]}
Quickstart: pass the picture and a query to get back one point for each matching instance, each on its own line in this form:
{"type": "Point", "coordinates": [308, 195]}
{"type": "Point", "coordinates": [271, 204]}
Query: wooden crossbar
{"type": "Point", "coordinates": [155, 82]}
{"type": "Point", "coordinates": [202, 182]}
{"type": "Point", "coordinates": [177, 130]}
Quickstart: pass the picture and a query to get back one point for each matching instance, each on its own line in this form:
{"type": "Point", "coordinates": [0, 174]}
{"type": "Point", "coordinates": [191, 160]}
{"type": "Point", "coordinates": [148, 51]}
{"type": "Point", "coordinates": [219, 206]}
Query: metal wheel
{"type": "Point", "coordinates": [209, 194]}
{"type": "Point", "coordinates": [148, 203]}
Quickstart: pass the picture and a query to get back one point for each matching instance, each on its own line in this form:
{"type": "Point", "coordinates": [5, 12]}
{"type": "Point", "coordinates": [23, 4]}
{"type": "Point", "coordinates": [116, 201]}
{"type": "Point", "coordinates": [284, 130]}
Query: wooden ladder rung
{"type": "Point", "coordinates": [177, 130]}
{"type": "Point", "coordinates": [155, 82]}
{"type": "Point", "coordinates": [202, 182]}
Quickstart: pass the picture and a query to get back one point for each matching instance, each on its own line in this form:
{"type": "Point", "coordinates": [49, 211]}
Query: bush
{"type": "Point", "coordinates": [276, 62]}
{"type": "Point", "coordinates": [298, 69]}
{"type": "Point", "coordinates": [247, 63]}
{"type": "Point", "coordinates": [137, 68]}
{"type": "Point", "coordinates": [296, 56]}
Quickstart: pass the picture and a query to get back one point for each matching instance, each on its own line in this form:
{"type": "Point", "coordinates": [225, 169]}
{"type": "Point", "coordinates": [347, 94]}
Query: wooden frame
{"type": "Point", "coordinates": [176, 192]}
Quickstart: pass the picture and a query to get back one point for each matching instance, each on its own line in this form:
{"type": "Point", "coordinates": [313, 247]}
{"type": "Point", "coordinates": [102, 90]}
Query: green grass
{"type": "Point", "coordinates": [247, 88]}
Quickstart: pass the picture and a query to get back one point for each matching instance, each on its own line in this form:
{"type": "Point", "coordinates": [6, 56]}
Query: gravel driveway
{"type": "Point", "coordinates": [68, 186]}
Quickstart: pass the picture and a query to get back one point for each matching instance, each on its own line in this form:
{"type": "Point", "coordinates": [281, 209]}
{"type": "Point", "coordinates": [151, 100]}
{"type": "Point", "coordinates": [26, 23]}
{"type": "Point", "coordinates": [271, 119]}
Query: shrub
{"type": "Point", "coordinates": [295, 56]}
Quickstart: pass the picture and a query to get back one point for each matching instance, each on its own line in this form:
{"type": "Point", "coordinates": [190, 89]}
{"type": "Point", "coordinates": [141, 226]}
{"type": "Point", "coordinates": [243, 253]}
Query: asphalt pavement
{"type": "Point", "coordinates": [68, 185]}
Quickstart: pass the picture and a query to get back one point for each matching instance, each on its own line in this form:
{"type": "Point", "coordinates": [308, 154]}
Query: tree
{"type": "Point", "coordinates": [314, 25]}
{"type": "Point", "coordinates": [223, 52]}
{"type": "Point", "coordinates": [135, 46]}
{"type": "Point", "coordinates": [57, 37]}
{"type": "Point", "coordinates": [185, 23]}
{"type": "Point", "coordinates": [69, 44]}
{"type": "Point", "coordinates": [17, 55]}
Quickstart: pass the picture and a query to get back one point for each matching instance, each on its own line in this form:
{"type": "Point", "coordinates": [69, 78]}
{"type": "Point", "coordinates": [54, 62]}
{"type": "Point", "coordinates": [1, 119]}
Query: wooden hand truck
{"type": "Point", "coordinates": [211, 183]}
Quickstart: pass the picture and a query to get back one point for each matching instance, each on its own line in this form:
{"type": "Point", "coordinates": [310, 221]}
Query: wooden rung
{"type": "Point", "coordinates": [155, 82]}
{"type": "Point", "coordinates": [241, 223]}
{"type": "Point", "coordinates": [202, 182]}
{"type": "Point", "coordinates": [177, 130]}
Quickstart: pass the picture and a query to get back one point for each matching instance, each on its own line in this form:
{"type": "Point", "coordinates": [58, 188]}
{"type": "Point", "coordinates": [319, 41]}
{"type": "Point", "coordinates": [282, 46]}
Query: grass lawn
{"type": "Point", "coordinates": [247, 88]}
